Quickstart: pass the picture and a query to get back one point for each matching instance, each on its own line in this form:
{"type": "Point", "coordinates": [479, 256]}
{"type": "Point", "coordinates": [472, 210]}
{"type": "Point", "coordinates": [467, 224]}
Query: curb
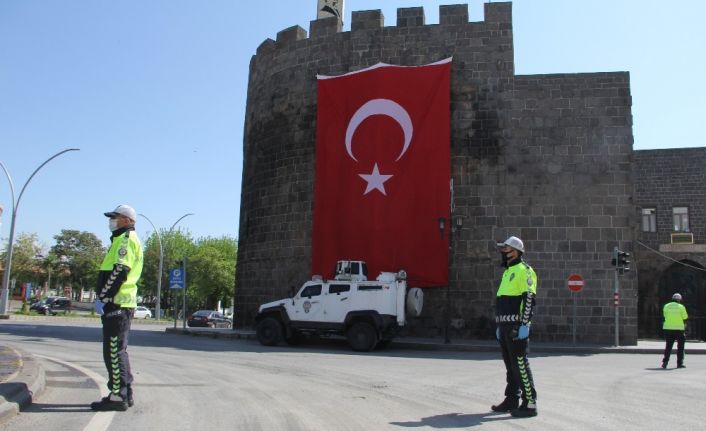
{"type": "Point", "coordinates": [23, 386]}
{"type": "Point", "coordinates": [227, 334]}
{"type": "Point", "coordinates": [76, 319]}
{"type": "Point", "coordinates": [412, 344]}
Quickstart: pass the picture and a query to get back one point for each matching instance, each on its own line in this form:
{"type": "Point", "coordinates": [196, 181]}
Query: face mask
{"type": "Point", "coordinates": [113, 224]}
{"type": "Point", "coordinates": [506, 257]}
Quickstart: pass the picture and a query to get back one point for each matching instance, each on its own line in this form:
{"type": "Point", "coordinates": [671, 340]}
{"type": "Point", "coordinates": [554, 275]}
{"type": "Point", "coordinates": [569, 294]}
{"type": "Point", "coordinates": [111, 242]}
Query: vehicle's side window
{"type": "Point", "coordinates": [370, 287]}
{"type": "Point", "coordinates": [338, 288]}
{"type": "Point", "coordinates": [310, 291]}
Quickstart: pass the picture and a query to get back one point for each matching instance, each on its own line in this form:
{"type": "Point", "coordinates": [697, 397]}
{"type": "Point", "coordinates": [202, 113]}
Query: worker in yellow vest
{"type": "Point", "coordinates": [674, 317]}
{"type": "Point", "coordinates": [116, 299]}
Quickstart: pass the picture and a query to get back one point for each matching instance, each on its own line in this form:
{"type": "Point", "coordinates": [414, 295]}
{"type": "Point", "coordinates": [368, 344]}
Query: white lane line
{"type": "Point", "coordinates": [100, 420]}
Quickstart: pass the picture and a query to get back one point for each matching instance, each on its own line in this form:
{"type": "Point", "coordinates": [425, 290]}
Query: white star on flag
{"type": "Point", "coordinates": [375, 180]}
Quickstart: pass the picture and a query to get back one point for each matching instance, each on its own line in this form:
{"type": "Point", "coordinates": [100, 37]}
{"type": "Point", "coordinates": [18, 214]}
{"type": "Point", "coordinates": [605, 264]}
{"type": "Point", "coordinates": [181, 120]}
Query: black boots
{"type": "Point", "coordinates": [111, 403]}
{"type": "Point", "coordinates": [508, 405]}
{"type": "Point", "coordinates": [130, 400]}
{"type": "Point", "coordinates": [526, 410]}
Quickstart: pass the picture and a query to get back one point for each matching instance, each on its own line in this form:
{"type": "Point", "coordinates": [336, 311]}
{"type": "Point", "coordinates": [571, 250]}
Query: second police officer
{"type": "Point", "coordinates": [513, 315]}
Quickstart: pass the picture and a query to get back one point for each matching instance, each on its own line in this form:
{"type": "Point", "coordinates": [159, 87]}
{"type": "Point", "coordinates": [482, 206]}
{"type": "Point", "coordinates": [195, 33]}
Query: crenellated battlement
{"type": "Point", "coordinates": [373, 20]}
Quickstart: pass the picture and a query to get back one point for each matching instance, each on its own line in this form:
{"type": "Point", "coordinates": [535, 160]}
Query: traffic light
{"type": "Point", "coordinates": [620, 260]}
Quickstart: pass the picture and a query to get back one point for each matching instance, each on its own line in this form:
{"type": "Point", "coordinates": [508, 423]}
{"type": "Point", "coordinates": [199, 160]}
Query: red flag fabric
{"type": "Point", "coordinates": [383, 171]}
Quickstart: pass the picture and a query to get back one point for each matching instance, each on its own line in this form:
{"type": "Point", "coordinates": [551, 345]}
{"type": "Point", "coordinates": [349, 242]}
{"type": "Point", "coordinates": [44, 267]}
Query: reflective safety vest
{"type": "Point", "coordinates": [125, 249]}
{"type": "Point", "coordinates": [515, 297]}
{"type": "Point", "coordinates": [674, 316]}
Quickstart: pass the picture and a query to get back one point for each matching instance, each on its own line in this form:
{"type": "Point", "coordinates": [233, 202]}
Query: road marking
{"type": "Point", "coordinates": [100, 420]}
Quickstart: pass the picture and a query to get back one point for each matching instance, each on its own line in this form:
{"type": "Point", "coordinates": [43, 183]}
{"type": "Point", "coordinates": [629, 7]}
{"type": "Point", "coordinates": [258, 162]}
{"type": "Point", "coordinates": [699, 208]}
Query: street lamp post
{"type": "Point", "coordinates": [4, 296]}
{"type": "Point", "coordinates": [158, 306]}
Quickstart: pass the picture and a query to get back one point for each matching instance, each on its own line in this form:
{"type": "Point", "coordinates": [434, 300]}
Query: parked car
{"type": "Point", "coordinates": [52, 305]}
{"type": "Point", "coordinates": [209, 319]}
{"type": "Point", "coordinates": [142, 313]}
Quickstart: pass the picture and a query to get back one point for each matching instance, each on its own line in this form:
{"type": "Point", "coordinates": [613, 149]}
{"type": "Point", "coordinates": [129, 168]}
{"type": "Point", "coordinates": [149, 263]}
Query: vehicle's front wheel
{"type": "Point", "coordinates": [362, 337]}
{"type": "Point", "coordinates": [269, 331]}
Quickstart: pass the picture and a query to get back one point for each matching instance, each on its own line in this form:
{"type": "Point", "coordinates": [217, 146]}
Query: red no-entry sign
{"type": "Point", "coordinates": [575, 283]}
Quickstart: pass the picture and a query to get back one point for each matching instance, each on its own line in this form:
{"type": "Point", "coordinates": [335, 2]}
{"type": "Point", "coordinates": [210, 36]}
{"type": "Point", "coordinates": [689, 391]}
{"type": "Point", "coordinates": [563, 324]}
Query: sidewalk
{"type": "Point", "coordinates": [21, 380]}
{"type": "Point", "coordinates": [642, 347]}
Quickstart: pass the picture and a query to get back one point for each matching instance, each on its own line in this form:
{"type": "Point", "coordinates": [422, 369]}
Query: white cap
{"type": "Point", "coordinates": [123, 210]}
{"type": "Point", "coordinates": [513, 242]}
{"type": "Point", "coordinates": [676, 296]}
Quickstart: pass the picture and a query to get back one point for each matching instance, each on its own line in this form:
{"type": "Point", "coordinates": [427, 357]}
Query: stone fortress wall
{"type": "Point", "coordinates": [543, 157]}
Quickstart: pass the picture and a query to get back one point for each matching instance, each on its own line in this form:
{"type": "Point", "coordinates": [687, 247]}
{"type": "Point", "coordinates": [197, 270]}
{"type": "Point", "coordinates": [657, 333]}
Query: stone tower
{"type": "Point", "coordinates": [543, 157]}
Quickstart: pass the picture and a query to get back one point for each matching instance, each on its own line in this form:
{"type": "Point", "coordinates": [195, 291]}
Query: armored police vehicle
{"type": "Point", "coordinates": [368, 313]}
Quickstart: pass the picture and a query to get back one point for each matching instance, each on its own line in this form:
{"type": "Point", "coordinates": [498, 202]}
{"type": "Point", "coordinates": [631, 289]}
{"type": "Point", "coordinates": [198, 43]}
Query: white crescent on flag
{"type": "Point", "coordinates": [380, 107]}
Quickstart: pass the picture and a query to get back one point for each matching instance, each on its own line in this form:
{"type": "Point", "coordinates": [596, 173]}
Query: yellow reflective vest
{"type": "Point", "coordinates": [674, 316]}
{"type": "Point", "coordinates": [516, 295]}
{"type": "Point", "coordinates": [126, 250]}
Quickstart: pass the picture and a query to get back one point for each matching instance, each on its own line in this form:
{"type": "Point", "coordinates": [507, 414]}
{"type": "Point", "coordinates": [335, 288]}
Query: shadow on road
{"type": "Point", "coordinates": [455, 420]}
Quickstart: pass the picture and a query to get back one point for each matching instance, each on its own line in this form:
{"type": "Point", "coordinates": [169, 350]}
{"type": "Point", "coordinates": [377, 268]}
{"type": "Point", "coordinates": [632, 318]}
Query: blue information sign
{"type": "Point", "coordinates": [176, 278]}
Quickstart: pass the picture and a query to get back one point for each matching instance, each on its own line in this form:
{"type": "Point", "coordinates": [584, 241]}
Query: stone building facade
{"type": "Point", "coordinates": [671, 257]}
{"type": "Point", "coordinates": [543, 157]}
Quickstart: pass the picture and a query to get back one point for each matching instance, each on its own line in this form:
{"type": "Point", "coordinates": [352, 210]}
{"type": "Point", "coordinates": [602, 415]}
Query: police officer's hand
{"type": "Point", "coordinates": [99, 307]}
{"type": "Point", "coordinates": [523, 332]}
{"type": "Point", "coordinates": [497, 333]}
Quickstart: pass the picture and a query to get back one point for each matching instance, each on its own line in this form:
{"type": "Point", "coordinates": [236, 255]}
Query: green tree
{"type": "Point", "coordinates": [176, 245]}
{"type": "Point", "coordinates": [77, 256]}
{"type": "Point", "coordinates": [26, 259]}
{"type": "Point", "coordinates": [211, 273]}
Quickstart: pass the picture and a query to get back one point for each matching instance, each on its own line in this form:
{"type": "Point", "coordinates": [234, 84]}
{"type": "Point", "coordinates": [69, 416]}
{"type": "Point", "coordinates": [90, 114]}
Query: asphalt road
{"type": "Point", "coordinates": [184, 382]}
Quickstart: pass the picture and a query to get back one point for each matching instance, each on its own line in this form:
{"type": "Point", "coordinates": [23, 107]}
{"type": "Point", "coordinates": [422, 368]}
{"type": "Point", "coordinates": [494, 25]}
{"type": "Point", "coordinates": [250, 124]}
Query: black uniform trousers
{"type": "Point", "coordinates": [670, 336]}
{"type": "Point", "coordinates": [518, 374]}
{"type": "Point", "coordinates": [116, 326]}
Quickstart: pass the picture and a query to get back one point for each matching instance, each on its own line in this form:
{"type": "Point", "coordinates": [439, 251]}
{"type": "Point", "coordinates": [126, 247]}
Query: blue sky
{"type": "Point", "coordinates": [153, 93]}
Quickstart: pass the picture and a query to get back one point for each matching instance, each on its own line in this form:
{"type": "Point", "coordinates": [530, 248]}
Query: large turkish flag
{"type": "Point", "coordinates": [383, 171]}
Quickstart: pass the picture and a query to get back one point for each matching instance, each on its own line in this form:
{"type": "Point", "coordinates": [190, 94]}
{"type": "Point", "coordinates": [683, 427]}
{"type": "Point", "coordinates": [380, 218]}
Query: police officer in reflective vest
{"type": "Point", "coordinates": [674, 317]}
{"type": "Point", "coordinates": [513, 315]}
{"type": "Point", "coordinates": [116, 299]}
